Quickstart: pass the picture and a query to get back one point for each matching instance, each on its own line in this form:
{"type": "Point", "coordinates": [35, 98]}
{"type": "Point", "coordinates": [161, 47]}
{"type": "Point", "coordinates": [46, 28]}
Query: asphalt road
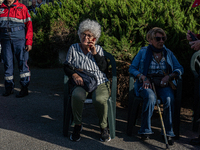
{"type": "Point", "coordinates": [35, 122]}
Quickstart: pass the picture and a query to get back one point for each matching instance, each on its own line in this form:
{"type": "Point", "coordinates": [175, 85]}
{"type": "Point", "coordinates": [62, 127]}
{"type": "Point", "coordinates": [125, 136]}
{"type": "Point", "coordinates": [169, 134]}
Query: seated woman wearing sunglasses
{"type": "Point", "coordinates": [151, 61]}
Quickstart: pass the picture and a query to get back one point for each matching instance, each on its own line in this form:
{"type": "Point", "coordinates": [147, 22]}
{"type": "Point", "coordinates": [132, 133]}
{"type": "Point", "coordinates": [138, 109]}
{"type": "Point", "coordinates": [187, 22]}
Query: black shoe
{"type": "Point", "coordinates": [145, 137]}
{"type": "Point", "coordinates": [169, 139]}
{"type": "Point", "coordinates": [23, 92]}
{"type": "Point", "coordinates": [105, 137]}
{"type": "Point", "coordinates": [75, 136]}
{"type": "Point", "coordinates": [8, 92]}
{"type": "Point", "coordinates": [195, 141]}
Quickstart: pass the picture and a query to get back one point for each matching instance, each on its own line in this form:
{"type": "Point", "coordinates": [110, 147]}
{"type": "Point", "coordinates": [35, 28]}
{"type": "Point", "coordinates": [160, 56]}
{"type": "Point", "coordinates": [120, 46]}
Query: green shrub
{"type": "Point", "coordinates": [124, 23]}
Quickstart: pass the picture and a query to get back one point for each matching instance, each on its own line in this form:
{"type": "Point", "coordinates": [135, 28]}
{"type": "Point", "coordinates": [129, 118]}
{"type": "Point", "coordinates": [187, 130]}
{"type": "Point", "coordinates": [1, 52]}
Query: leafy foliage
{"type": "Point", "coordinates": [124, 23]}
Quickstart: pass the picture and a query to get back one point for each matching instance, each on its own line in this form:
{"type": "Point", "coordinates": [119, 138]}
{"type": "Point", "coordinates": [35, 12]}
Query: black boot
{"type": "Point", "coordinates": [105, 136]}
{"type": "Point", "coordinates": [8, 92]}
{"type": "Point", "coordinates": [23, 92]}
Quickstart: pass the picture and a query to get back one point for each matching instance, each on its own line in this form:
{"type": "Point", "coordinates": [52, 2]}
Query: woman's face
{"type": "Point", "coordinates": [158, 41]}
{"type": "Point", "coordinates": [86, 38]}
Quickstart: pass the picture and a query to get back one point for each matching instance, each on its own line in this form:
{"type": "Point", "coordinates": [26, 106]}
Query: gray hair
{"type": "Point", "coordinates": [90, 25]}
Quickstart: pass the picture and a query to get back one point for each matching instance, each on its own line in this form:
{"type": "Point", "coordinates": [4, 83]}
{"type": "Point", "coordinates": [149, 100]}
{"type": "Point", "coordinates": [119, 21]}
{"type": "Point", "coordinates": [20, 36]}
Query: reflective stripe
{"type": "Point", "coordinates": [8, 78]}
{"type": "Point", "coordinates": [3, 18]}
{"type": "Point", "coordinates": [15, 19]}
{"type": "Point", "coordinates": [25, 75]}
{"type": "Point", "coordinates": [27, 19]}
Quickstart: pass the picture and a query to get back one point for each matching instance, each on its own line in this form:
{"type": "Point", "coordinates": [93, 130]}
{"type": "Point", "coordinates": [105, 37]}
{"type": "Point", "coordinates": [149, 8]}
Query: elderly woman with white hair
{"type": "Point", "coordinates": [89, 57]}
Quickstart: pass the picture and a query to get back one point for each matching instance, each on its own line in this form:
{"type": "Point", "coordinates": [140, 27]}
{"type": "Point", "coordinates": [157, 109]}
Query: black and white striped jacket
{"type": "Point", "coordinates": [94, 64]}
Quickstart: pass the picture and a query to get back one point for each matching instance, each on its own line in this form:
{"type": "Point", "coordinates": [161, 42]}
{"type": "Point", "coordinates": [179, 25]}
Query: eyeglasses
{"type": "Point", "coordinates": [159, 38]}
{"type": "Point", "coordinates": [88, 35]}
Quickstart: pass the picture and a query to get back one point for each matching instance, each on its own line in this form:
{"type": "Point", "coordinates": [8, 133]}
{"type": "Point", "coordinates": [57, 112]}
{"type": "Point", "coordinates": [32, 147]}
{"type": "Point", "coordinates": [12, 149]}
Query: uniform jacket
{"type": "Point", "coordinates": [138, 65]}
{"type": "Point", "coordinates": [17, 21]}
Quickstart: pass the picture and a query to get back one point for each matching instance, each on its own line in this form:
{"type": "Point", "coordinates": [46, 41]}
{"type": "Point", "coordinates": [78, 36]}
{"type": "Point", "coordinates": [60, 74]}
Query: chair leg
{"type": "Point", "coordinates": [129, 124]}
{"type": "Point", "coordinates": [67, 117]}
{"type": "Point", "coordinates": [132, 116]}
{"type": "Point", "coordinates": [177, 109]}
{"type": "Point", "coordinates": [196, 105]}
{"type": "Point", "coordinates": [111, 118]}
{"type": "Point", "coordinates": [176, 122]}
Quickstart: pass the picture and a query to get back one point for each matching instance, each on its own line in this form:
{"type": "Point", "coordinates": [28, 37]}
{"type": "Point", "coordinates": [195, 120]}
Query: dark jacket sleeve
{"type": "Point", "coordinates": [101, 62]}
{"type": "Point", "coordinates": [69, 71]}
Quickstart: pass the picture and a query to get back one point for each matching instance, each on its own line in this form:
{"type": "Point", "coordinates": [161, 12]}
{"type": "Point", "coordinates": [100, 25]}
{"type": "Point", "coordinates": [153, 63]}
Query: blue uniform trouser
{"type": "Point", "coordinates": [11, 48]}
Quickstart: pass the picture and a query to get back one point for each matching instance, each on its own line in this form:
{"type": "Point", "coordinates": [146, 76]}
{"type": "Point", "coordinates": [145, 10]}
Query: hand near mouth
{"type": "Point", "coordinates": [92, 46]}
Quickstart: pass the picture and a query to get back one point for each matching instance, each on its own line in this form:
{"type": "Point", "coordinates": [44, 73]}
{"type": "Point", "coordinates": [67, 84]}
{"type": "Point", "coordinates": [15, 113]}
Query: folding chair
{"type": "Point", "coordinates": [67, 118]}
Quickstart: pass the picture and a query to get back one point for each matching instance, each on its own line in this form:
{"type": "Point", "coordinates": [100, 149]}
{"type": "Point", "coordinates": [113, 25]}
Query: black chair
{"type": "Point", "coordinates": [67, 118]}
{"type": "Point", "coordinates": [195, 67]}
{"type": "Point", "coordinates": [135, 101]}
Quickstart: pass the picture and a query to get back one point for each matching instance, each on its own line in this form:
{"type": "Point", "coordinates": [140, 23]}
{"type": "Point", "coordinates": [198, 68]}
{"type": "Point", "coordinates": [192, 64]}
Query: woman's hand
{"type": "Point", "coordinates": [92, 46]}
{"type": "Point", "coordinates": [195, 45]}
{"type": "Point", "coordinates": [77, 79]}
{"type": "Point", "coordinates": [164, 82]}
{"type": "Point", "coordinates": [146, 82]}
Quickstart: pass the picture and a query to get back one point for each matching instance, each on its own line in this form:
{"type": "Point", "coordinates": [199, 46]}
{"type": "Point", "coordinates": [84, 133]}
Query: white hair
{"type": "Point", "coordinates": [90, 25]}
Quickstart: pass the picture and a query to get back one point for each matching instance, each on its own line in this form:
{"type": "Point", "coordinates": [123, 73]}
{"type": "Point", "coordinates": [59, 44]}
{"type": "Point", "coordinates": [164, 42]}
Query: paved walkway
{"type": "Point", "coordinates": [35, 122]}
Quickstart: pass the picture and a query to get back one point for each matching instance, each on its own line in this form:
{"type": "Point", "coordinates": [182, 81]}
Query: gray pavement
{"type": "Point", "coordinates": [35, 122]}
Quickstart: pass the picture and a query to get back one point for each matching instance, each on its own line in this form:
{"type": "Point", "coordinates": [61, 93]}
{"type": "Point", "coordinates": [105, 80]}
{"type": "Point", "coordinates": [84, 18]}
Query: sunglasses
{"type": "Point", "coordinates": [159, 38]}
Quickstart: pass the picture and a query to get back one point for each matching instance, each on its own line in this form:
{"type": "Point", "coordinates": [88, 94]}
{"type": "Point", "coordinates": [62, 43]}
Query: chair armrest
{"type": "Point", "coordinates": [114, 77]}
{"type": "Point", "coordinates": [131, 87]}
{"type": "Point", "coordinates": [131, 82]}
{"type": "Point", "coordinates": [179, 85]}
{"type": "Point", "coordinates": [194, 60]}
{"type": "Point", "coordinates": [66, 89]}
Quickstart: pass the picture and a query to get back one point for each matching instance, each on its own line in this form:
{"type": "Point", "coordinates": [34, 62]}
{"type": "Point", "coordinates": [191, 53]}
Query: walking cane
{"type": "Point", "coordinates": [161, 119]}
